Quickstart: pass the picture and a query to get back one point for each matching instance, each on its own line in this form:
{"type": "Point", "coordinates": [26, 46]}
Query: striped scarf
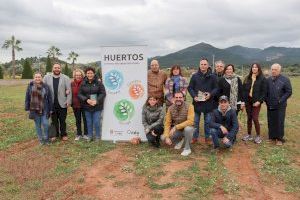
{"type": "Point", "coordinates": [36, 98]}
{"type": "Point", "coordinates": [233, 82]}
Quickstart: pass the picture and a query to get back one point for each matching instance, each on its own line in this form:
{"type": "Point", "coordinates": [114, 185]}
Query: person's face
{"type": "Point", "coordinates": [203, 66]}
{"type": "Point", "coordinates": [179, 99]}
{"type": "Point", "coordinates": [90, 75]}
{"type": "Point", "coordinates": [175, 72]}
{"type": "Point", "coordinates": [154, 66]}
{"type": "Point", "coordinates": [37, 78]}
{"type": "Point", "coordinates": [56, 69]}
{"type": "Point", "coordinates": [254, 69]}
{"type": "Point", "coordinates": [275, 71]}
{"type": "Point", "coordinates": [78, 76]}
{"type": "Point", "coordinates": [219, 68]}
{"type": "Point", "coordinates": [229, 71]}
{"type": "Point", "coordinates": [224, 105]}
{"type": "Point", "coordinates": [152, 101]}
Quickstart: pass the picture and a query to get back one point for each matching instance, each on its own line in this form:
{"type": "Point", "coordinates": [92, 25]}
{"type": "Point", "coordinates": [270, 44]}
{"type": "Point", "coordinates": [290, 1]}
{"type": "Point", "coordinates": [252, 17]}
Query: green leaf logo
{"type": "Point", "coordinates": [124, 110]}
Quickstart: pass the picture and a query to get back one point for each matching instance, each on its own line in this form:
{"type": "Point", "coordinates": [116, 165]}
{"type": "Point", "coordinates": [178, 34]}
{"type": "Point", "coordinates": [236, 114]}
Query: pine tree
{"type": "Point", "coordinates": [1, 72]}
{"type": "Point", "coordinates": [67, 71]}
{"type": "Point", "coordinates": [48, 65]}
{"type": "Point", "coordinates": [27, 70]}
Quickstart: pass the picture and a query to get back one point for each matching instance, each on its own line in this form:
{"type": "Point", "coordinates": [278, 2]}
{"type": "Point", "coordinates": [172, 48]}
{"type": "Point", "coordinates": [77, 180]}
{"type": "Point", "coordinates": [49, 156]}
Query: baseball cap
{"type": "Point", "coordinates": [223, 98]}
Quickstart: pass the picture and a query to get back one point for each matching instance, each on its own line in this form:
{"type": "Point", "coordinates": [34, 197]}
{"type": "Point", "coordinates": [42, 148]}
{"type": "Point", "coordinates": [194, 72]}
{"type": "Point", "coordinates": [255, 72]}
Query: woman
{"type": "Point", "coordinates": [175, 83]}
{"type": "Point", "coordinates": [78, 76]}
{"type": "Point", "coordinates": [254, 95]}
{"type": "Point", "coordinates": [38, 102]}
{"type": "Point", "coordinates": [153, 119]}
{"type": "Point", "coordinates": [91, 95]}
{"type": "Point", "coordinates": [231, 86]}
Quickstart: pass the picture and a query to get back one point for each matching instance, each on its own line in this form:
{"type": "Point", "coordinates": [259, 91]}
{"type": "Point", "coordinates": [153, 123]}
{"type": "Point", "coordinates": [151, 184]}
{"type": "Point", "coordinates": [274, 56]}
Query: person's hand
{"type": "Point", "coordinates": [196, 98]}
{"type": "Point", "coordinates": [168, 141]}
{"type": "Point", "coordinates": [172, 131]}
{"type": "Point", "coordinates": [67, 92]}
{"type": "Point", "coordinates": [90, 102]}
{"type": "Point", "coordinates": [225, 140]}
{"type": "Point", "coordinates": [152, 133]}
{"type": "Point", "coordinates": [68, 105]}
{"type": "Point", "coordinates": [147, 130]}
{"type": "Point", "coordinates": [224, 130]}
{"type": "Point", "coordinates": [207, 96]}
{"type": "Point", "coordinates": [94, 102]}
{"type": "Point", "coordinates": [256, 104]}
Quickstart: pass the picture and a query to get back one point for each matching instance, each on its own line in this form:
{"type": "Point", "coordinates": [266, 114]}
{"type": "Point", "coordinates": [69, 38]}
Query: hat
{"type": "Point", "coordinates": [223, 98]}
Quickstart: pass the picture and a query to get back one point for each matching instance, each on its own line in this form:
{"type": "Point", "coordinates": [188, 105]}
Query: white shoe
{"type": "Point", "coordinates": [186, 152]}
{"type": "Point", "coordinates": [77, 138]}
{"type": "Point", "coordinates": [85, 137]}
{"type": "Point", "coordinates": [179, 144]}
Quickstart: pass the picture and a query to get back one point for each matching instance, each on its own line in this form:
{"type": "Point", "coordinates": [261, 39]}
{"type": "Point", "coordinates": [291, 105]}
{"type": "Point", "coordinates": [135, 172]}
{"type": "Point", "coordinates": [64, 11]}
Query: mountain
{"type": "Point", "coordinates": [237, 55]}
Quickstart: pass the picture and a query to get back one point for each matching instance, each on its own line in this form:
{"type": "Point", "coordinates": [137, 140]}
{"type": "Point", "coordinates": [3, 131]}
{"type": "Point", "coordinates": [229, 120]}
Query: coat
{"type": "Point", "coordinates": [258, 91]}
{"type": "Point", "coordinates": [152, 117]}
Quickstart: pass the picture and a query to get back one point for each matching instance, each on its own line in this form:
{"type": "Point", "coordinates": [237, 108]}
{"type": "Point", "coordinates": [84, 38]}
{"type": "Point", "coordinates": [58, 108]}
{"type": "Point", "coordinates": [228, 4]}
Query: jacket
{"type": "Point", "coordinates": [88, 90]}
{"type": "Point", "coordinates": [224, 89]}
{"type": "Point", "coordinates": [152, 117]}
{"type": "Point", "coordinates": [258, 91]}
{"type": "Point", "coordinates": [169, 90]}
{"type": "Point", "coordinates": [75, 85]}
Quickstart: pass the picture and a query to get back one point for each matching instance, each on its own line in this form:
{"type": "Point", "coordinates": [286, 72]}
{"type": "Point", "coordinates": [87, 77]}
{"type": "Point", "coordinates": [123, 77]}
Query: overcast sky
{"type": "Point", "coordinates": [164, 25]}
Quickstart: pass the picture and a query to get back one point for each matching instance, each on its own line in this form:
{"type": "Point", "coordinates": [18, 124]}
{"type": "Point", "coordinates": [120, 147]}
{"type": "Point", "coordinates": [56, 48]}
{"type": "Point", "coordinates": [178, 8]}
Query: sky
{"type": "Point", "coordinates": [165, 26]}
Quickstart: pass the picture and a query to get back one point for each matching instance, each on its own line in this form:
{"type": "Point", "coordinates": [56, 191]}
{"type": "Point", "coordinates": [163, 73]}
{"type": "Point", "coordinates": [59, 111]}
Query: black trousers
{"type": "Point", "coordinates": [59, 120]}
{"type": "Point", "coordinates": [79, 114]}
{"type": "Point", "coordinates": [154, 140]}
{"type": "Point", "coordinates": [276, 119]}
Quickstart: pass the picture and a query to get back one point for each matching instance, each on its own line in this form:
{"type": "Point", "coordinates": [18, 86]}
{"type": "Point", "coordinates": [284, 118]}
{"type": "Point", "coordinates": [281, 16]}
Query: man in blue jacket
{"type": "Point", "coordinates": [203, 87]}
{"type": "Point", "coordinates": [223, 124]}
{"type": "Point", "coordinates": [279, 89]}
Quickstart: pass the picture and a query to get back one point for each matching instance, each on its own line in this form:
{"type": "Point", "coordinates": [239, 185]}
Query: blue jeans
{"type": "Point", "coordinates": [216, 134]}
{"type": "Point", "coordinates": [39, 121]}
{"type": "Point", "coordinates": [206, 125]}
{"type": "Point", "coordinates": [93, 121]}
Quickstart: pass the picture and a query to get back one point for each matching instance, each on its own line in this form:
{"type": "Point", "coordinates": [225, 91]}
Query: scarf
{"type": "Point", "coordinates": [37, 99]}
{"type": "Point", "coordinates": [176, 85]}
{"type": "Point", "coordinates": [233, 82]}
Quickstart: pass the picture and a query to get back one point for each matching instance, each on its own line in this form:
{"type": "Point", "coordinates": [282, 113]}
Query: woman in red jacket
{"type": "Point", "coordinates": [78, 76]}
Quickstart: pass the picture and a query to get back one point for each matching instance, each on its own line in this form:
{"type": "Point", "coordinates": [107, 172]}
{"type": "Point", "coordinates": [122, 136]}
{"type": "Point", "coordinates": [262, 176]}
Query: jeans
{"type": "Point", "coordinates": [197, 122]}
{"type": "Point", "coordinates": [186, 133]}
{"type": "Point", "coordinates": [79, 114]}
{"type": "Point", "coordinates": [41, 120]}
{"type": "Point", "coordinates": [216, 134]}
{"type": "Point", "coordinates": [93, 121]}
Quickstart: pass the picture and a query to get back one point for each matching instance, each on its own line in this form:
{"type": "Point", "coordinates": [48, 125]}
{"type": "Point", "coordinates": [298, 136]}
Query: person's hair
{"type": "Point", "coordinates": [38, 72]}
{"type": "Point", "coordinates": [225, 68]}
{"type": "Point", "coordinates": [147, 103]}
{"type": "Point", "coordinates": [78, 70]}
{"type": "Point", "coordinates": [180, 92]}
{"type": "Point", "coordinates": [220, 62]}
{"type": "Point", "coordinates": [56, 63]}
{"type": "Point", "coordinates": [175, 67]}
{"type": "Point", "coordinates": [249, 76]}
{"type": "Point", "coordinates": [90, 69]}
{"type": "Point", "coordinates": [203, 59]}
{"type": "Point", "coordinates": [276, 65]}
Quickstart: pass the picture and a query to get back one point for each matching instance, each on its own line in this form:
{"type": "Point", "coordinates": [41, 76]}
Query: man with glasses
{"type": "Point", "coordinates": [179, 124]}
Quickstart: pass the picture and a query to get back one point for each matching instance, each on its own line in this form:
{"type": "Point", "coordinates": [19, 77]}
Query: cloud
{"type": "Point", "coordinates": [165, 25]}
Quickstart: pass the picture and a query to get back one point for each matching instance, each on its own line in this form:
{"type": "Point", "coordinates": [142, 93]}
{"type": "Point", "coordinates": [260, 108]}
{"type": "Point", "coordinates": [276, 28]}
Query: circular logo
{"type": "Point", "coordinates": [136, 90]}
{"type": "Point", "coordinates": [113, 80]}
{"type": "Point", "coordinates": [124, 110]}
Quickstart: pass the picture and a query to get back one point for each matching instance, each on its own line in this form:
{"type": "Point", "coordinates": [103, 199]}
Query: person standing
{"type": "Point", "coordinates": [38, 102]}
{"type": "Point", "coordinates": [202, 88]}
{"type": "Point", "coordinates": [175, 83]}
{"type": "Point", "coordinates": [92, 94]}
{"type": "Point", "coordinates": [60, 87]}
{"type": "Point", "coordinates": [219, 69]}
{"type": "Point", "coordinates": [156, 82]}
{"type": "Point", "coordinates": [279, 89]}
{"type": "Point", "coordinates": [78, 76]}
{"type": "Point", "coordinates": [254, 95]}
{"type": "Point", "coordinates": [153, 121]}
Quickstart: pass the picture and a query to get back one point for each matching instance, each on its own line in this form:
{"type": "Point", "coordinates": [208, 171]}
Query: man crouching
{"type": "Point", "coordinates": [223, 124]}
{"type": "Point", "coordinates": [179, 124]}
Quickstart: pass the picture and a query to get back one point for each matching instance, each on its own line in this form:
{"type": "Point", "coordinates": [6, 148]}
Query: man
{"type": "Point", "coordinates": [203, 88]}
{"type": "Point", "coordinates": [223, 124]}
{"type": "Point", "coordinates": [156, 81]}
{"type": "Point", "coordinates": [60, 87]}
{"type": "Point", "coordinates": [179, 124]}
{"type": "Point", "coordinates": [279, 89]}
{"type": "Point", "coordinates": [219, 68]}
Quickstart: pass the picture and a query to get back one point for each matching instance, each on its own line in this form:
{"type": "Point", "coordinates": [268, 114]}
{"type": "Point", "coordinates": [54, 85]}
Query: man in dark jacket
{"type": "Point", "coordinates": [279, 89]}
{"type": "Point", "coordinates": [223, 124]}
{"type": "Point", "coordinates": [202, 88]}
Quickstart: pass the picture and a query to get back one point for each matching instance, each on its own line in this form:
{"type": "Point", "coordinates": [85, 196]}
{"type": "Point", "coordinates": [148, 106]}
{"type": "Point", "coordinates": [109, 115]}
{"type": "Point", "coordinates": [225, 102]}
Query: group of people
{"type": "Point", "coordinates": [219, 96]}
{"type": "Point", "coordinates": [166, 116]}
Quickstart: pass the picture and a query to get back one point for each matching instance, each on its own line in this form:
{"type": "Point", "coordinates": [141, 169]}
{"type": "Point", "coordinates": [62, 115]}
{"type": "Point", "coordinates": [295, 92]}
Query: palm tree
{"type": "Point", "coordinates": [14, 44]}
{"type": "Point", "coordinates": [54, 52]}
{"type": "Point", "coordinates": [73, 56]}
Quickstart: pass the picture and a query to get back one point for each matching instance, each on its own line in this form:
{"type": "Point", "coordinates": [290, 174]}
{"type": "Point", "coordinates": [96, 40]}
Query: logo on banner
{"type": "Point", "coordinates": [136, 89]}
{"type": "Point", "coordinates": [113, 80]}
{"type": "Point", "coordinates": [124, 110]}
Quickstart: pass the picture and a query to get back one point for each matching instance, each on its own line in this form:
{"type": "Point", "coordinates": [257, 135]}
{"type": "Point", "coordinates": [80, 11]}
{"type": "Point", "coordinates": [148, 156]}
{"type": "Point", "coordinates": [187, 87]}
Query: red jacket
{"type": "Point", "coordinates": [75, 85]}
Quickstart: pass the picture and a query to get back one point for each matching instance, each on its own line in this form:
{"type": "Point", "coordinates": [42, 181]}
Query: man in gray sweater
{"type": "Point", "coordinates": [60, 87]}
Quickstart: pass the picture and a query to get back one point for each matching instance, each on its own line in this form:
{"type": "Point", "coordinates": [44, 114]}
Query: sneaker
{"type": "Point", "coordinates": [247, 138]}
{"type": "Point", "coordinates": [186, 152]}
{"type": "Point", "coordinates": [194, 140]}
{"type": "Point", "coordinates": [279, 143]}
{"type": "Point", "coordinates": [53, 139]}
{"type": "Point", "coordinates": [65, 138]}
{"type": "Point", "coordinates": [179, 144]}
{"type": "Point", "coordinates": [77, 138]}
{"type": "Point", "coordinates": [85, 137]}
{"type": "Point", "coordinates": [257, 140]}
